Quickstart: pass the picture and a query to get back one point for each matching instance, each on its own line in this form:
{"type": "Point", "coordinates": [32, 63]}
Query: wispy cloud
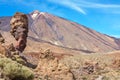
{"type": "Point", "coordinates": [87, 4]}
{"type": "Point", "coordinates": [117, 36]}
{"type": "Point", "coordinates": [39, 5]}
{"type": "Point", "coordinates": [81, 5]}
{"type": "Point", "coordinates": [69, 4]}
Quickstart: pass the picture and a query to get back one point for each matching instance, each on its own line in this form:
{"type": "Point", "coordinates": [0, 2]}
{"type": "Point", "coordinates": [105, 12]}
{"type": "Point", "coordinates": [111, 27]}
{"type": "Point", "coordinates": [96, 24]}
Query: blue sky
{"type": "Point", "coordinates": [100, 15]}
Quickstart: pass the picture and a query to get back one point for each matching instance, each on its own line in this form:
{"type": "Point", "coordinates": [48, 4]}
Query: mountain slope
{"type": "Point", "coordinates": [53, 30]}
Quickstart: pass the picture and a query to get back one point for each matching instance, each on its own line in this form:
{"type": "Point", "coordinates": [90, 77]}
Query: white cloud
{"type": "Point", "coordinates": [96, 5]}
{"type": "Point", "coordinates": [117, 36]}
{"type": "Point", "coordinates": [38, 5]}
{"type": "Point", "coordinates": [69, 4]}
{"type": "Point", "coordinates": [80, 5]}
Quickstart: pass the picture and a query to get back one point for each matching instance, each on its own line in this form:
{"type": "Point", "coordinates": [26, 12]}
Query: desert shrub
{"type": "Point", "coordinates": [19, 59]}
{"type": "Point", "coordinates": [14, 70]}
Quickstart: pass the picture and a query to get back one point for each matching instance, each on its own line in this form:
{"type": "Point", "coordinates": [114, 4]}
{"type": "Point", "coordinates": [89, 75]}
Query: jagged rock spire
{"type": "Point", "coordinates": [19, 29]}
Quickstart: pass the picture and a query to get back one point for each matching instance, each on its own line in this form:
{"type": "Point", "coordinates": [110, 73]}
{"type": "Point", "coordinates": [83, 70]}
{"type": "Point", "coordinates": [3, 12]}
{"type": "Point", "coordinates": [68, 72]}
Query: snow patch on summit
{"type": "Point", "coordinates": [34, 16]}
{"type": "Point", "coordinates": [36, 13]}
{"type": "Point", "coordinates": [42, 13]}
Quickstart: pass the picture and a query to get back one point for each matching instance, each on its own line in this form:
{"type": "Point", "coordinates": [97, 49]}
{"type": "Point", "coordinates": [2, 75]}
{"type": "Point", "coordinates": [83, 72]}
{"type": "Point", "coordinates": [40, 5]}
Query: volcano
{"type": "Point", "coordinates": [59, 34]}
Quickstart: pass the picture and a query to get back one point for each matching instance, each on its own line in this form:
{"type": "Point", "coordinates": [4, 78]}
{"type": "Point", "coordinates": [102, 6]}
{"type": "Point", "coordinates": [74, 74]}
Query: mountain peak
{"type": "Point", "coordinates": [45, 27]}
{"type": "Point", "coordinates": [36, 13]}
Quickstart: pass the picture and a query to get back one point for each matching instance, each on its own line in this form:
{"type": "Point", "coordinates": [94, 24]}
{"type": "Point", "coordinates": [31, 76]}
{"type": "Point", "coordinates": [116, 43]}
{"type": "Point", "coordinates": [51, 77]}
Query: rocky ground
{"type": "Point", "coordinates": [45, 65]}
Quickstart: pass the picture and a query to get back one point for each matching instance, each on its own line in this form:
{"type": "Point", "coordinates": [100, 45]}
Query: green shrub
{"type": "Point", "coordinates": [14, 70]}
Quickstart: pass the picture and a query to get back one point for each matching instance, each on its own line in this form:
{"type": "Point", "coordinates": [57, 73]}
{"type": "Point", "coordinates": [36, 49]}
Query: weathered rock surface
{"type": "Point", "coordinates": [50, 68]}
{"type": "Point", "coordinates": [9, 51]}
{"type": "Point", "coordinates": [2, 51]}
{"type": "Point", "coordinates": [2, 48]}
{"type": "Point", "coordinates": [1, 39]}
{"type": "Point", "coordinates": [19, 29]}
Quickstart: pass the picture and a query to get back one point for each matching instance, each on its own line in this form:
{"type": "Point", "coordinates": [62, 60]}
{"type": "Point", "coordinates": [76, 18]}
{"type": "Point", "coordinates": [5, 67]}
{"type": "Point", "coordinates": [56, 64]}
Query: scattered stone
{"type": "Point", "coordinates": [99, 78]}
{"type": "Point", "coordinates": [90, 67]}
{"type": "Point", "coordinates": [116, 63]}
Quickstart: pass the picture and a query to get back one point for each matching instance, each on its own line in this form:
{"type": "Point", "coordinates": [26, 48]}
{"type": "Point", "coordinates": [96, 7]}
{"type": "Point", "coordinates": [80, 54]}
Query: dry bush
{"type": "Point", "coordinates": [14, 71]}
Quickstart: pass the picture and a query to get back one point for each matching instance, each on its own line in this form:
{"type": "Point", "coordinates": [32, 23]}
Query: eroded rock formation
{"type": "Point", "coordinates": [2, 51]}
{"type": "Point", "coordinates": [19, 29]}
{"type": "Point", "coordinates": [49, 68]}
{"type": "Point", "coordinates": [2, 48]}
{"type": "Point", "coordinates": [1, 39]}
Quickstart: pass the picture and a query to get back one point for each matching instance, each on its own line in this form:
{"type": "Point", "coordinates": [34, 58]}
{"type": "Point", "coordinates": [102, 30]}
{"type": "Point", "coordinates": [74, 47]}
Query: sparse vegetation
{"type": "Point", "coordinates": [14, 71]}
{"type": "Point", "coordinates": [92, 66]}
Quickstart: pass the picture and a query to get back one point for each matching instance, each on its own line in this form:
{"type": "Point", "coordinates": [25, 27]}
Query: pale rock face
{"type": "Point", "coordinates": [56, 43]}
